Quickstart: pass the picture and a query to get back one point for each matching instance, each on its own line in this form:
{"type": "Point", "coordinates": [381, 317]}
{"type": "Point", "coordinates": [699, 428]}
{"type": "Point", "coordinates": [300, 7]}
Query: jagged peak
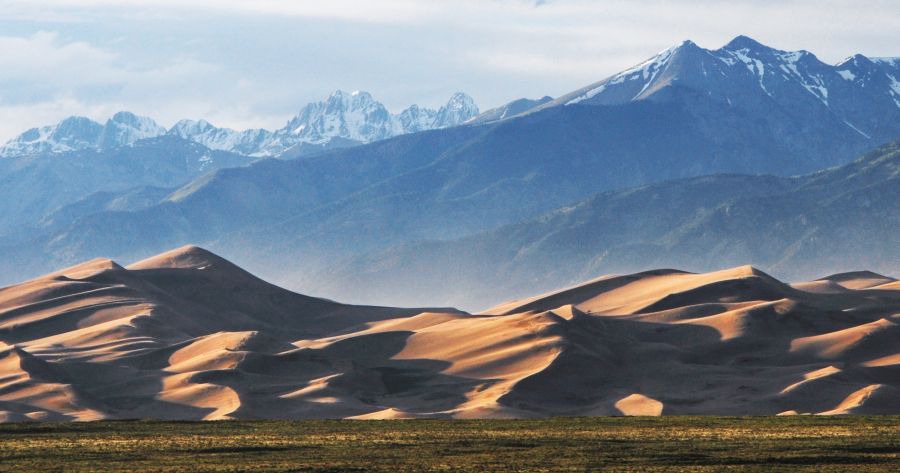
{"type": "Point", "coordinates": [76, 119]}
{"type": "Point", "coordinates": [125, 128]}
{"type": "Point", "coordinates": [361, 96]}
{"type": "Point", "coordinates": [124, 116]}
{"type": "Point", "coordinates": [340, 94]}
{"type": "Point", "coordinates": [340, 101]}
{"type": "Point", "coordinates": [460, 97]}
{"type": "Point", "coordinates": [192, 126]}
{"type": "Point", "coordinates": [744, 42]}
{"type": "Point", "coordinates": [133, 120]}
{"type": "Point", "coordinates": [856, 60]}
{"type": "Point", "coordinates": [337, 93]}
{"type": "Point", "coordinates": [686, 44]}
{"type": "Point", "coordinates": [658, 60]}
{"type": "Point", "coordinates": [460, 101]}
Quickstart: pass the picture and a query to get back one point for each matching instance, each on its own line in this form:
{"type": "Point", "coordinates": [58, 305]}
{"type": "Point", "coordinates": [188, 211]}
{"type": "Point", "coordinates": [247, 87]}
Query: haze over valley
{"type": "Point", "coordinates": [352, 187]}
{"type": "Point", "coordinates": [710, 231]}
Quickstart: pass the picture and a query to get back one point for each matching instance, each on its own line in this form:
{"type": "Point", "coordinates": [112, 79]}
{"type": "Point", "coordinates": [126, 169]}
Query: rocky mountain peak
{"type": "Point", "coordinates": [745, 42]}
{"type": "Point", "coordinates": [458, 110]}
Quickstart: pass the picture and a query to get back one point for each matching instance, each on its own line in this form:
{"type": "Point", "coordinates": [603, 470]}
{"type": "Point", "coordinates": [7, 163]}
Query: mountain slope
{"type": "Point", "coordinates": [803, 103]}
{"type": "Point", "coordinates": [188, 335]}
{"type": "Point", "coordinates": [359, 118]}
{"type": "Point", "coordinates": [858, 95]}
{"type": "Point", "coordinates": [453, 182]}
{"type": "Point", "coordinates": [516, 107]}
{"type": "Point", "coordinates": [342, 117]}
{"type": "Point", "coordinates": [832, 220]}
{"type": "Point", "coordinates": [478, 177]}
{"type": "Point", "coordinates": [249, 142]}
{"type": "Point", "coordinates": [79, 133]}
{"type": "Point", "coordinates": [31, 187]}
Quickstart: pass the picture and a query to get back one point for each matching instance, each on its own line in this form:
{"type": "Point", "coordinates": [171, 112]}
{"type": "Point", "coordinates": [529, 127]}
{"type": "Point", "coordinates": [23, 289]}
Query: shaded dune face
{"type": "Point", "coordinates": [188, 335]}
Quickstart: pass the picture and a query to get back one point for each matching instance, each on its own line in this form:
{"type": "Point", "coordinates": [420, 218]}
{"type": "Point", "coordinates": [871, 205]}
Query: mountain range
{"type": "Point", "coordinates": [837, 219]}
{"type": "Point", "coordinates": [340, 218]}
{"type": "Point", "coordinates": [35, 186]}
{"type": "Point", "coordinates": [575, 211]}
{"type": "Point", "coordinates": [188, 335]}
{"type": "Point", "coordinates": [346, 117]}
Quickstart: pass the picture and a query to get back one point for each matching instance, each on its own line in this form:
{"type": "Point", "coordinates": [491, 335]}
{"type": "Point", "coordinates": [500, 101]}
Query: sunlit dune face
{"type": "Point", "coordinates": [188, 335]}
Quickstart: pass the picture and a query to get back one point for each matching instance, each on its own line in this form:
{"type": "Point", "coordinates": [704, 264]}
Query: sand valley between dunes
{"type": "Point", "coordinates": [188, 335]}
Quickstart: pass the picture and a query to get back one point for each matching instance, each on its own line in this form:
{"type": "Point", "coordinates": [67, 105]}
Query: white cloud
{"type": "Point", "coordinates": [45, 79]}
{"type": "Point", "coordinates": [243, 63]}
{"type": "Point", "coordinates": [385, 11]}
{"type": "Point", "coordinates": [40, 60]}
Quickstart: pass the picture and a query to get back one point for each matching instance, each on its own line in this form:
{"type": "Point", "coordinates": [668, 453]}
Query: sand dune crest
{"type": "Point", "coordinates": [189, 335]}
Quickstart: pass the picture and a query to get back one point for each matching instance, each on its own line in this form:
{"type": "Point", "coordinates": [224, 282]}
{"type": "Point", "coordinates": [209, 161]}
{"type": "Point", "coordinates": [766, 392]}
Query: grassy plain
{"type": "Point", "coordinates": [670, 444]}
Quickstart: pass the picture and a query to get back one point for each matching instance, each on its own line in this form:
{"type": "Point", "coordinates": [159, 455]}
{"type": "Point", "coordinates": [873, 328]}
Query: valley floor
{"type": "Point", "coordinates": [697, 444]}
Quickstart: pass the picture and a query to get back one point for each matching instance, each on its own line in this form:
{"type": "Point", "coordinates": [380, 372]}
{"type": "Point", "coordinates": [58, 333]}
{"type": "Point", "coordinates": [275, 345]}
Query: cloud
{"type": "Point", "coordinates": [241, 63]}
{"type": "Point", "coordinates": [45, 78]}
{"type": "Point", "coordinates": [366, 11]}
{"type": "Point", "coordinates": [42, 79]}
{"type": "Point", "coordinates": [41, 62]}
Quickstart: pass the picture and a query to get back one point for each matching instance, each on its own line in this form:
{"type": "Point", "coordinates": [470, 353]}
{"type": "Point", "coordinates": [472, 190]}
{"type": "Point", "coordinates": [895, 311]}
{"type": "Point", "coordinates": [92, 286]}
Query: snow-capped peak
{"type": "Point", "coordinates": [747, 74]}
{"type": "Point", "coordinates": [638, 78]}
{"type": "Point", "coordinates": [359, 117]}
{"type": "Point", "coordinates": [69, 134]}
{"type": "Point", "coordinates": [458, 110]}
{"type": "Point", "coordinates": [744, 42]}
{"type": "Point", "coordinates": [124, 128]}
{"type": "Point", "coordinates": [354, 116]}
{"type": "Point", "coordinates": [186, 128]}
{"type": "Point", "coordinates": [77, 133]}
{"type": "Point", "coordinates": [854, 60]}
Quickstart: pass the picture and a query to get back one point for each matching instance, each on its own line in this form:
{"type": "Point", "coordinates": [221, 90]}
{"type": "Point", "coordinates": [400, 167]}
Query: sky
{"type": "Point", "coordinates": [246, 64]}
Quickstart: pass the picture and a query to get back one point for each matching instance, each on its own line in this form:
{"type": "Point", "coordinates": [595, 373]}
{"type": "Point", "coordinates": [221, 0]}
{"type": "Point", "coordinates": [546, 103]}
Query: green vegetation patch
{"type": "Point", "coordinates": [671, 444]}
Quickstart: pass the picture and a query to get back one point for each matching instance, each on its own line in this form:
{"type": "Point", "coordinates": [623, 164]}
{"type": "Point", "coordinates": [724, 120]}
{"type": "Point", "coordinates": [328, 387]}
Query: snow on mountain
{"type": "Point", "coordinates": [252, 142]}
{"type": "Point", "coordinates": [356, 116]}
{"type": "Point", "coordinates": [205, 133]}
{"type": "Point", "coordinates": [642, 74]}
{"type": "Point", "coordinates": [508, 110]}
{"type": "Point", "coordinates": [346, 117]}
{"type": "Point", "coordinates": [343, 117]}
{"type": "Point", "coordinates": [70, 134]}
{"type": "Point", "coordinates": [893, 65]}
{"type": "Point", "coordinates": [77, 133]}
{"type": "Point", "coordinates": [359, 117]}
{"type": "Point", "coordinates": [860, 92]}
{"type": "Point", "coordinates": [124, 128]}
{"type": "Point", "coordinates": [414, 119]}
{"type": "Point", "coordinates": [458, 110]}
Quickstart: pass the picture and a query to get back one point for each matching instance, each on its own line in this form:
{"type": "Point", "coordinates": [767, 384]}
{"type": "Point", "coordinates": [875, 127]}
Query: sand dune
{"type": "Point", "coordinates": [859, 279]}
{"type": "Point", "coordinates": [188, 335]}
